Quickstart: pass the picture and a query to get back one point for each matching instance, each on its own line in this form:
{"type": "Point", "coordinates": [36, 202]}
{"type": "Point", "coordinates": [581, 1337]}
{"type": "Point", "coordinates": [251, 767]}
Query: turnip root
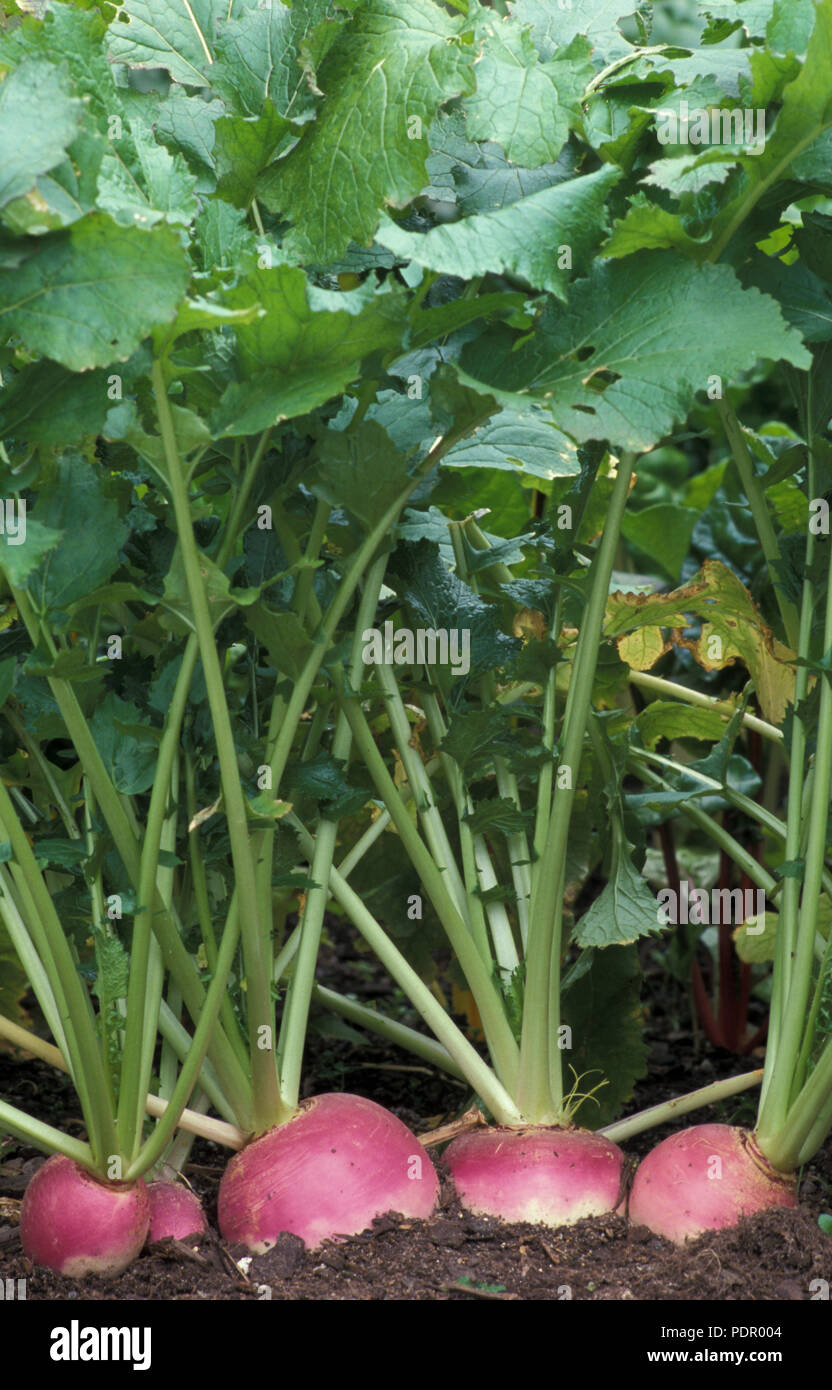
{"type": "Point", "coordinates": [540, 1174]}
{"type": "Point", "coordinates": [74, 1224]}
{"type": "Point", "coordinates": [174, 1211]}
{"type": "Point", "coordinates": [704, 1179]}
{"type": "Point", "coordinates": [338, 1163]}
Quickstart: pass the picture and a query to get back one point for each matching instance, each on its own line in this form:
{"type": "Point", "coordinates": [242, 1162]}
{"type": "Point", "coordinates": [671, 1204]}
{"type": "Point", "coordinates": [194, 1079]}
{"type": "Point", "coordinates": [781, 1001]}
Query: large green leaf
{"type": "Point", "coordinates": [517, 440]}
{"type": "Point", "coordinates": [437, 599]}
{"type": "Point", "coordinates": [39, 118]}
{"type": "Point", "coordinates": [663, 532]}
{"type": "Point", "coordinates": [525, 105]}
{"type": "Point", "coordinates": [306, 347]}
{"type": "Point", "coordinates": [624, 911]}
{"type": "Point", "coordinates": [360, 469]}
{"type": "Point", "coordinates": [46, 404]}
{"type": "Point", "coordinates": [77, 505]}
{"type": "Point", "coordinates": [635, 344]}
{"type": "Point", "coordinates": [384, 78]}
{"type": "Point", "coordinates": [154, 186]}
{"type": "Point", "coordinates": [540, 238]}
{"type": "Point", "coordinates": [243, 148]}
{"type": "Point", "coordinates": [128, 748]}
{"type": "Point", "coordinates": [258, 54]}
{"type": "Point", "coordinates": [555, 25]}
{"type": "Point", "coordinates": [165, 34]}
{"type": "Point", "coordinates": [91, 294]}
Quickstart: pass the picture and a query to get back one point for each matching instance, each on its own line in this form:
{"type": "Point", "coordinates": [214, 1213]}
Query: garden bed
{"type": "Point", "coordinates": [774, 1255]}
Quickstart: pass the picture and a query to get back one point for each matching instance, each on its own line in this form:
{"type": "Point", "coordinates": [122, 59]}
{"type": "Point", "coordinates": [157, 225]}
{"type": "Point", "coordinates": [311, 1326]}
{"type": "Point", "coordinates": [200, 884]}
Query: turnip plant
{"type": "Point", "coordinates": [301, 306]}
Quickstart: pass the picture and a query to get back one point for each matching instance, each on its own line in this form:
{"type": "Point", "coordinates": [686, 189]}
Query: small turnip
{"type": "Point", "coordinates": [174, 1211]}
{"type": "Point", "coordinates": [704, 1179]}
{"type": "Point", "coordinates": [338, 1163]}
{"type": "Point", "coordinates": [540, 1174]}
{"type": "Point", "coordinates": [74, 1224]}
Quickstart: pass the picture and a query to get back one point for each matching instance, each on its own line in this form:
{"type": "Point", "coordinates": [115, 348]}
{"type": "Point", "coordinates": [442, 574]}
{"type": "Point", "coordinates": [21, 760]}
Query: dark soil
{"type": "Point", "coordinates": [773, 1256]}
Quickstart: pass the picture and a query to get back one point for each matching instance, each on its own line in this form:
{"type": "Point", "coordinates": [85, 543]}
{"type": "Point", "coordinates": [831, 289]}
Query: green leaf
{"type": "Point", "coordinates": [284, 637]}
{"type": "Point", "coordinates": [155, 186]}
{"type": "Point", "coordinates": [624, 911]}
{"type": "Point", "coordinates": [359, 469]}
{"type": "Point", "coordinates": [805, 300]}
{"type": "Point", "coordinates": [525, 105]}
{"type": "Point", "coordinates": [804, 115]}
{"type": "Point", "coordinates": [511, 440]}
{"type": "Point", "coordinates": [754, 15]}
{"type": "Point", "coordinates": [497, 813]}
{"type": "Point", "coordinates": [46, 404]}
{"type": "Point", "coordinates": [258, 53]}
{"type": "Point", "coordinates": [187, 124]}
{"type": "Point", "coordinates": [217, 586]}
{"type": "Point", "coordinates": [39, 118]}
{"type": "Point", "coordinates": [648, 226]}
{"type": "Point", "coordinates": [243, 148]}
{"type": "Point", "coordinates": [555, 25]}
{"type": "Point", "coordinates": [663, 532]}
{"type": "Point", "coordinates": [77, 505]}
{"type": "Point", "coordinates": [755, 939]}
{"type": "Point", "coordinates": [190, 432]}
{"type": "Point", "coordinates": [636, 342]}
{"type": "Point", "coordinates": [539, 238]}
{"type": "Point", "coordinates": [113, 968]}
{"type": "Point", "coordinates": [130, 760]}
{"type": "Point", "coordinates": [304, 349]}
{"type": "Point", "coordinates": [670, 719]}
{"type": "Point", "coordinates": [479, 177]}
{"type": "Point", "coordinates": [60, 854]}
{"type": "Point", "coordinates": [163, 34]}
{"type": "Point", "coordinates": [90, 295]}
{"type": "Point", "coordinates": [474, 736]}
{"type": "Point", "coordinates": [389, 69]}
{"type": "Point", "coordinates": [439, 600]}
{"type": "Point", "coordinates": [19, 560]}
{"type": "Point", "coordinates": [602, 1009]}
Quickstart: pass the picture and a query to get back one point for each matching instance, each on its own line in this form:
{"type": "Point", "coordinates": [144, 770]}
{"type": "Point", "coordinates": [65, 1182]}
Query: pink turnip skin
{"type": "Point", "coordinates": [704, 1179]}
{"type": "Point", "coordinates": [74, 1224]}
{"type": "Point", "coordinates": [174, 1211]}
{"type": "Point", "coordinates": [540, 1174]}
{"type": "Point", "coordinates": [332, 1168]}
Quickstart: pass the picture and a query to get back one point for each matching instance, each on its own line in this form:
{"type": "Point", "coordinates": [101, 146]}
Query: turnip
{"type": "Point", "coordinates": [705, 1178]}
{"type": "Point", "coordinates": [341, 1161]}
{"type": "Point", "coordinates": [174, 1211]}
{"type": "Point", "coordinates": [542, 1174]}
{"type": "Point", "coordinates": [72, 1223]}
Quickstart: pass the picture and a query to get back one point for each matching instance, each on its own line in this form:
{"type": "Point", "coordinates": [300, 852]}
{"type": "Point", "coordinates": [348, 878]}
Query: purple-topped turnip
{"type": "Point", "coordinates": [74, 1224]}
{"type": "Point", "coordinates": [338, 1163]}
{"type": "Point", "coordinates": [706, 1178]}
{"type": "Point", "coordinates": [541, 1174]}
{"type": "Point", "coordinates": [174, 1211]}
